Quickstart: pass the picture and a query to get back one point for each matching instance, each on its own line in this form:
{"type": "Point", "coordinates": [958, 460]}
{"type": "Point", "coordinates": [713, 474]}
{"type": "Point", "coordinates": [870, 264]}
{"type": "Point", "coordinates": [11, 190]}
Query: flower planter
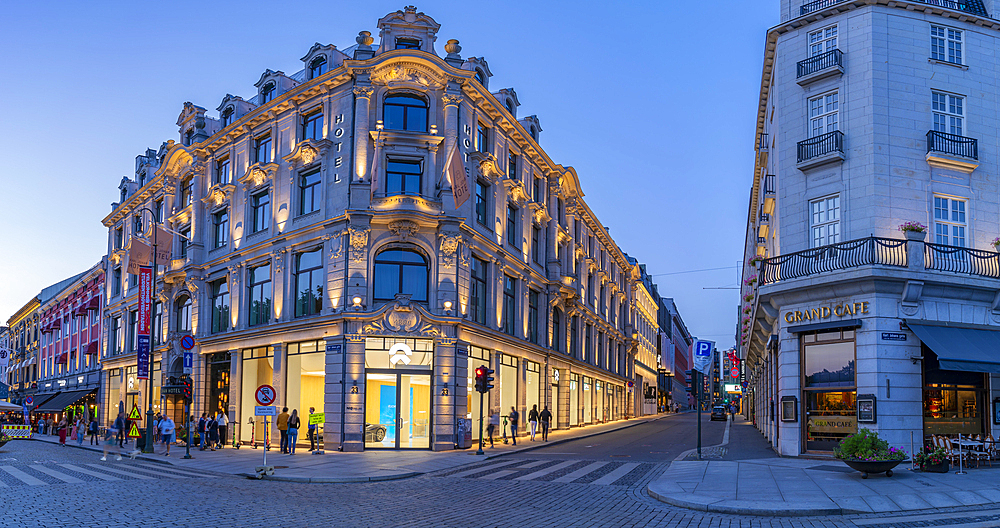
{"type": "Point", "coordinates": [943, 467]}
{"type": "Point", "coordinates": [3, 442]}
{"type": "Point", "coordinates": [866, 467]}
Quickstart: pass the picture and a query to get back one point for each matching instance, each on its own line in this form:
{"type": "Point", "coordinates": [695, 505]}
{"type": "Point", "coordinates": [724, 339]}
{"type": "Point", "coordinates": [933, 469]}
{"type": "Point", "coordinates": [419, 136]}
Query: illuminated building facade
{"type": "Point", "coordinates": [874, 114]}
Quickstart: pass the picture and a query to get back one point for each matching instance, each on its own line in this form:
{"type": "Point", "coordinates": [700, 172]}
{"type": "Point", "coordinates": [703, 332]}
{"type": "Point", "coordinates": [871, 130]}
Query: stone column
{"type": "Point", "coordinates": [354, 406]}
{"type": "Point", "coordinates": [334, 393]}
{"type": "Point", "coordinates": [278, 382]}
{"type": "Point", "coordinates": [362, 102]}
{"type": "Point", "coordinates": [444, 394]}
{"type": "Point", "coordinates": [450, 101]}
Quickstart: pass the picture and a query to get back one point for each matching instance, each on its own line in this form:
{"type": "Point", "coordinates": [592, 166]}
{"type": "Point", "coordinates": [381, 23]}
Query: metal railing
{"type": "Point", "coordinates": [820, 62]}
{"type": "Point", "coordinates": [952, 144]}
{"type": "Point", "coordinates": [842, 255]}
{"type": "Point", "coordinates": [762, 143]}
{"type": "Point", "coordinates": [764, 217]}
{"type": "Point", "coordinates": [940, 257]}
{"type": "Point", "coordinates": [769, 184]}
{"type": "Point", "coordinates": [816, 6]}
{"type": "Point", "coordinates": [975, 7]}
{"type": "Point", "coordinates": [820, 145]}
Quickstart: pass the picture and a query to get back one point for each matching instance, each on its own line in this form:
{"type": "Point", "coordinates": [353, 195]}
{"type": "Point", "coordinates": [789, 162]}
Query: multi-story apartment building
{"type": "Point", "coordinates": [645, 334]}
{"type": "Point", "coordinates": [676, 353]}
{"type": "Point", "coordinates": [873, 114]}
{"type": "Point", "coordinates": [69, 372]}
{"type": "Point", "coordinates": [317, 247]}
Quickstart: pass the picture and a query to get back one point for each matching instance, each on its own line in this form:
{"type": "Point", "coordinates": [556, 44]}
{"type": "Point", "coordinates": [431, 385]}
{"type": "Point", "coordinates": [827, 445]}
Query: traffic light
{"type": "Point", "coordinates": [186, 387]}
{"type": "Point", "coordinates": [480, 379]}
{"type": "Point", "coordinates": [489, 379]}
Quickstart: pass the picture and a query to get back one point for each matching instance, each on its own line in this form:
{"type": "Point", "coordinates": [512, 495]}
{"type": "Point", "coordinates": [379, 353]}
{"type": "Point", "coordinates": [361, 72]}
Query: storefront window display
{"type": "Point", "coordinates": [306, 379]}
{"type": "Point", "coordinates": [554, 407]}
{"type": "Point", "coordinates": [258, 369]}
{"type": "Point", "coordinates": [828, 366]}
{"type": "Point", "coordinates": [218, 382]}
{"type": "Point", "coordinates": [953, 401]}
{"type": "Point", "coordinates": [574, 400]}
{"type": "Point", "coordinates": [114, 395]}
{"type": "Point", "coordinates": [588, 400]}
{"type": "Point", "coordinates": [532, 385]}
{"type": "Point", "coordinates": [398, 392]}
{"type": "Point", "coordinates": [508, 384]}
{"type": "Point", "coordinates": [477, 357]}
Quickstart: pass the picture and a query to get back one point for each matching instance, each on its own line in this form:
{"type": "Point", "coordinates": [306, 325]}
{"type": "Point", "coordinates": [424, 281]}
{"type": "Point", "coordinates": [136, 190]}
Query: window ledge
{"type": "Point", "coordinates": [258, 234]}
{"type": "Point", "coordinates": [302, 218]}
{"type": "Point", "coordinates": [825, 73]}
{"type": "Point", "coordinates": [826, 159]}
{"type": "Point", "coordinates": [947, 63]}
{"type": "Point", "coordinates": [218, 249]}
{"type": "Point", "coordinates": [950, 162]}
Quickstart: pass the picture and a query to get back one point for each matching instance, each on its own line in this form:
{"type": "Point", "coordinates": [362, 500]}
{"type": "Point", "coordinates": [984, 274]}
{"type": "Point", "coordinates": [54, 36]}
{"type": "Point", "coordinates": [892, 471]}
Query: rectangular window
{"type": "Point", "coordinates": [309, 197]}
{"type": "Point", "coordinates": [312, 126]}
{"type": "Point", "coordinates": [222, 175]}
{"type": "Point", "coordinates": [407, 43]}
{"type": "Point", "coordinates": [512, 165]}
{"type": "Point", "coordinates": [482, 203]}
{"type": "Point", "coordinates": [603, 302]}
{"type": "Point", "coordinates": [158, 210]}
{"type": "Point", "coordinates": [221, 222]}
{"type": "Point", "coordinates": [482, 137]}
{"type": "Point", "coordinates": [822, 40]}
{"type": "Point", "coordinates": [186, 192]}
{"type": "Point", "coordinates": [261, 203]}
{"type": "Point", "coordinates": [533, 316]}
{"type": "Point", "coordinates": [477, 293]}
{"type": "Point", "coordinates": [260, 295]}
{"type": "Point", "coordinates": [509, 285]}
{"type": "Point", "coordinates": [825, 213]}
{"type": "Point", "coordinates": [137, 225]}
{"type": "Point", "coordinates": [946, 44]}
{"type": "Point", "coordinates": [185, 239]}
{"type": "Point", "coordinates": [536, 246]}
{"type": "Point", "coordinates": [574, 336]}
{"type": "Point", "coordinates": [114, 340]}
{"type": "Point", "coordinates": [949, 221]}
{"type": "Point", "coordinates": [133, 326]}
{"type": "Point", "coordinates": [308, 283]}
{"type": "Point", "coordinates": [116, 278]}
{"type": "Point", "coordinates": [538, 191]}
{"type": "Point", "coordinates": [588, 350]}
{"type": "Point", "coordinates": [949, 113]}
{"type": "Point", "coordinates": [157, 324]}
{"type": "Point", "coordinates": [220, 306]}
{"type": "Point", "coordinates": [119, 238]}
{"type": "Point", "coordinates": [512, 235]}
{"type": "Point", "coordinates": [402, 177]}
{"type": "Point", "coordinates": [824, 114]}
{"type": "Point", "coordinates": [262, 149]}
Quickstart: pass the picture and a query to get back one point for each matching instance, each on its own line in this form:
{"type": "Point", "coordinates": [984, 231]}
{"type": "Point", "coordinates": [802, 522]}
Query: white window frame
{"type": "Point", "coordinates": [946, 44]}
{"type": "Point", "coordinates": [948, 113]}
{"type": "Point", "coordinates": [824, 220]}
{"type": "Point", "coordinates": [951, 225]}
{"type": "Point", "coordinates": [822, 40]}
{"type": "Point", "coordinates": [823, 113]}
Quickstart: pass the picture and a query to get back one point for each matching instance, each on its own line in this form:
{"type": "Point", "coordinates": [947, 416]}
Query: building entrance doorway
{"type": "Point", "coordinates": [397, 409]}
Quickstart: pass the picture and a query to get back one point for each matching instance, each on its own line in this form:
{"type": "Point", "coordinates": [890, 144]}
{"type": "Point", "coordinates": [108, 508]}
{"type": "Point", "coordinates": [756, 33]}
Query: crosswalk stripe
{"type": "Point", "coordinates": [22, 476]}
{"type": "Point", "coordinates": [546, 471]}
{"type": "Point", "coordinates": [481, 468]}
{"type": "Point", "coordinates": [157, 472]}
{"type": "Point", "coordinates": [616, 474]}
{"type": "Point", "coordinates": [533, 464]}
{"type": "Point", "coordinates": [498, 474]}
{"type": "Point", "coordinates": [53, 473]}
{"type": "Point", "coordinates": [101, 476]}
{"type": "Point", "coordinates": [187, 473]}
{"type": "Point", "coordinates": [581, 472]}
{"type": "Point", "coordinates": [127, 474]}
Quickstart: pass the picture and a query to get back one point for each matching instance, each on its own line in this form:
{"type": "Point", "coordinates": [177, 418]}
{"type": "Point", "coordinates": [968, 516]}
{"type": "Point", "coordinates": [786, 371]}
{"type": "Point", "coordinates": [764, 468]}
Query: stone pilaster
{"type": "Point", "coordinates": [278, 382]}
{"type": "Point", "coordinates": [445, 394]}
{"type": "Point", "coordinates": [354, 406]}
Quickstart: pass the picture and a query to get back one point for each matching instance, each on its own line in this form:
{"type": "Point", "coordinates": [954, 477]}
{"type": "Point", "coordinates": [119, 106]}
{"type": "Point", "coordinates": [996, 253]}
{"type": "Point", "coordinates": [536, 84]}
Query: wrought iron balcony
{"type": "Point", "coordinates": [843, 255]}
{"type": "Point", "coordinates": [817, 5]}
{"type": "Point", "coordinates": [964, 260]}
{"type": "Point", "coordinates": [953, 145]}
{"type": "Point", "coordinates": [821, 145]}
{"type": "Point", "coordinates": [831, 59]}
{"type": "Point", "coordinates": [769, 184]}
{"type": "Point", "coordinates": [762, 143]}
{"type": "Point", "coordinates": [975, 7]}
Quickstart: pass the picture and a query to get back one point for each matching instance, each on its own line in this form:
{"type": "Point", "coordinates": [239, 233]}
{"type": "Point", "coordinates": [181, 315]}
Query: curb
{"type": "Point", "coordinates": [143, 456]}
{"type": "Point", "coordinates": [564, 440]}
{"type": "Point", "coordinates": [333, 480]}
{"type": "Point", "coordinates": [723, 507]}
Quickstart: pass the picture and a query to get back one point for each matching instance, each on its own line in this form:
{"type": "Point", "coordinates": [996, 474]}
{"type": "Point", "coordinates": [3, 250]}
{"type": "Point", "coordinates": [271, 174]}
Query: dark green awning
{"type": "Point", "coordinates": [966, 349]}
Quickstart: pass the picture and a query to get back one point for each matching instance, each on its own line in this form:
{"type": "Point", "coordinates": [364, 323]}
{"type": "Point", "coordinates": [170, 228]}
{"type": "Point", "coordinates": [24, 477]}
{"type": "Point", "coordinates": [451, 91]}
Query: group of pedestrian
{"type": "Point", "coordinates": [288, 427]}
{"type": "Point", "coordinates": [512, 419]}
{"type": "Point", "coordinates": [212, 430]}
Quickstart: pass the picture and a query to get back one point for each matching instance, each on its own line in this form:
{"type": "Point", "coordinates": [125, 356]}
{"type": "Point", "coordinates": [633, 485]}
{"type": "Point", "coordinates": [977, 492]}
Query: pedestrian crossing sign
{"type": "Point", "coordinates": [134, 413]}
{"type": "Point", "coordinates": [133, 430]}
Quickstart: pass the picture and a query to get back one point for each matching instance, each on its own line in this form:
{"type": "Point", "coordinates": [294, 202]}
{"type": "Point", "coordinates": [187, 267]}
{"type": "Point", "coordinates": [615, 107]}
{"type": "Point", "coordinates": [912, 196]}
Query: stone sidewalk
{"type": "Point", "coordinates": [797, 486]}
{"type": "Point", "coordinates": [369, 466]}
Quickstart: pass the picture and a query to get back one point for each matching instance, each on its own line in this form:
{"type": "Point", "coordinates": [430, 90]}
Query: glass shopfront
{"type": "Point", "coordinates": [532, 386]}
{"type": "Point", "coordinates": [258, 369]}
{"type": "Point", "coordinates": [508, 386]}
{"type": "Point", "coordinates": [828, 397]}
{"type": "Point", "coordinates": [477, 357]}
{"type": "Point", "coordinates": [588, 400]}
{"type": "Point", "coordinates": [218, 382]}
{"type": "Point", "coordinates": [306, 380]}
{"type": "Point", "coordinates": [398, 392]}
{"type": "Point", "coordinates": [953, 401]}
{"type": "Point", "coordinates": [574, 400]}
{"type": "Point", "coordinates": [554, 408]}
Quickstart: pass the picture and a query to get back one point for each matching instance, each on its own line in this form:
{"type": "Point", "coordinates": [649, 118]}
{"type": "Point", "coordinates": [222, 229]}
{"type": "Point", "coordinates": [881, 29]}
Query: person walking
{"type": "Point", "coordinates": [156, 428]}
{"type": "Point", "coordinates": [223, 421]}
{"type": "Point", "coordinates": [167, 432]}
{"type": "Point", "coordinates": [293, 431]}
{"type": "Point", "coordinates": [311, 430]}
{"type": "Point", "coordinates": [81, 426]}
{"type": "Point", "coordinates": [119, 428]}
{"type": "Point", "coordinates": [513, 416]}
{"type": "Point", "coordinates": [110, 437]}
{"type": "Point", "coordinates": [533, 420]}
{"type": "Point", "coordinates": [62, 431]}
{"type": "Point", "coordinates": [492, 427]}
{"type": "Point", "coordinates": [212, 430]}
{"type": "Point", "coordinates": [72, 431]}
{"type": "Point", "coordinates": [283, 429]}
{"type": "Point", "coordinates": [201, 431]}
{"type": "Point", "coordinates": [732, 413]}
{"type": "Point", "coordinates": [93, 431]}
{"type": "Point", "coordinates": [546, 418]}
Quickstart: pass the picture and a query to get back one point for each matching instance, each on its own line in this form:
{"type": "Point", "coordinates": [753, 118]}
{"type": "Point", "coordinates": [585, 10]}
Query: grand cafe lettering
{"type": "Point", "coordinates": [824, 312]}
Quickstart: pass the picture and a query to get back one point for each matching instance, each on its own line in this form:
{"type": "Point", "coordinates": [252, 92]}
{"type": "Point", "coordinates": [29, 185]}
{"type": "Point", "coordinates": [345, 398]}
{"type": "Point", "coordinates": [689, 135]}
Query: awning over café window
{"type": "Point", "coordinates": [968, 349]}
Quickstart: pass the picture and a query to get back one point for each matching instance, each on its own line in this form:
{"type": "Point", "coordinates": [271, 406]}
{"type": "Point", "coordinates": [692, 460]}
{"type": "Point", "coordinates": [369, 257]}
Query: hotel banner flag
{"type": "Point", "coordinates": [139, 254]}
{"type": "Point", "coordinates": [458, 178]}
{"type": "Point", "coordinates": [164, 241]}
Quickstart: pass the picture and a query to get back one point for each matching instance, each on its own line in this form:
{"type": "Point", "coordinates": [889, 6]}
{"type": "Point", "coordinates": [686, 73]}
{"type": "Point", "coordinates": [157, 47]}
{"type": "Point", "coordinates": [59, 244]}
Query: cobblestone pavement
{"type": "Point", "coordinates": [437, 500]}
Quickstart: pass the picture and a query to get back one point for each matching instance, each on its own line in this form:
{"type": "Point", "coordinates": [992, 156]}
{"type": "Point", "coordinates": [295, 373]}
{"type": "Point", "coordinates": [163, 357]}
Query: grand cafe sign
{"type": "Point", "coordinates": [825, 312]}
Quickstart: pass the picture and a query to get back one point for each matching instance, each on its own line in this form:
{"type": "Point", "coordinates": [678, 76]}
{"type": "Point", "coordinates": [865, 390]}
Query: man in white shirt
{"type": "Point", "coordinates": [223, 426]}
{"type": "Point", "coordinates": [167, 433]}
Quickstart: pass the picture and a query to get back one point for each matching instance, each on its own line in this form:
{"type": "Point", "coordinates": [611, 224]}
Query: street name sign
{"type": "Point", "coordinates": [265, 410]}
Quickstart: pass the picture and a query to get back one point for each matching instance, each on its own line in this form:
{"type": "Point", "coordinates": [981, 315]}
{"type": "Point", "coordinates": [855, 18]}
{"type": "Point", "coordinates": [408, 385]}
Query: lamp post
{"type": "Point", "coordinates": [148, 448]}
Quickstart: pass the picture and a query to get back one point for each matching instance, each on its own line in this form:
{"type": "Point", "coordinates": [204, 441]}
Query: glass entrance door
{"type": "Point", "coordinates": [397, 410]}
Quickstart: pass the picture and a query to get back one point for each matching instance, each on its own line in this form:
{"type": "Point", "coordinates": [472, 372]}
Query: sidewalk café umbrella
{"type": "Point", "coordinates": [5, 406]}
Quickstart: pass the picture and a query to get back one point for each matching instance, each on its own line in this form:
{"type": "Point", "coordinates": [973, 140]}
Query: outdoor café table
{"type": "Point", "coordinates": [965, 444]}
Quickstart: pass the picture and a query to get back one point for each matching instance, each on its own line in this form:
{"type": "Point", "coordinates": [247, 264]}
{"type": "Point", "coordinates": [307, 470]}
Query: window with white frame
{"type": "Point", "coordinates": [825, 223]}
{"type": "Point", "coordinates": [949, 221]}
{"type": "Point", "coordinates": [949, 112]}
{"type": "Point", "coordinates": [824, 113]}
{"type": "Point", "coordinates": [946, 44]}
{"type": "Point", "coordinates": [822, 40]}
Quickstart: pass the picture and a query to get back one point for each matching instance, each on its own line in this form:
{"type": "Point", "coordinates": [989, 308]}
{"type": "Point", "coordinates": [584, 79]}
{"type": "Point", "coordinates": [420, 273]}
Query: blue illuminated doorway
{"type": "Point", "coordinates": [397, 409]}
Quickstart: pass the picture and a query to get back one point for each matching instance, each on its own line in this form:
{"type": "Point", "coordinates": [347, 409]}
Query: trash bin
{"type": "Point", "coordinates": [463, 436]}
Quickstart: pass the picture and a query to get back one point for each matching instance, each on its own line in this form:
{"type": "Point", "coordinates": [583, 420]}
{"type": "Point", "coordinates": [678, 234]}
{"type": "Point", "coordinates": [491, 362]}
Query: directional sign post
{"type": "Point", "coordinates": [702, 366]}
{"type": "Point", "coordinates": [188, 362]}
{"type": "Point", "coordinates": [265, 395]}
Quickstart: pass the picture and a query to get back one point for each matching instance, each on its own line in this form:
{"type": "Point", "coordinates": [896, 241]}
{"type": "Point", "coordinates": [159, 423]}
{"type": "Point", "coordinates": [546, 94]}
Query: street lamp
{"type": "Point", "coordinates": [148, 448]}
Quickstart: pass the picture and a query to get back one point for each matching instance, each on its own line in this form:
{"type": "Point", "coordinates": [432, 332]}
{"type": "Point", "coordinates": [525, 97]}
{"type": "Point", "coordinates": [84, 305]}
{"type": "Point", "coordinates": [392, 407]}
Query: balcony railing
{"type": "Point", "coordinates": [820, 62]}
{"type": "Point", "coordinates": [843, 255]}
{"type": "Point", "coordinates": [955, 259]}
{"type": "Point", "coordinates": [820, 145]}
{"type": "Point", "coordinates": [953, 145]}
{"type": "Point", "coordinates": [764, 217]}
{"type": "Point", "coordinates": [975, 7]}
{"type": "Point", "coordinates": [817, 5]}
{"type": "Point", "coordinates": [769, 184]}
{"type": "Point", "coordinates": [762, 143]}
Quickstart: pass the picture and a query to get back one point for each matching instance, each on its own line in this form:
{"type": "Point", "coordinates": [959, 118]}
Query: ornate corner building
{"type": "Point", "coordinates": [316, 247]}
{"type": "Point", "coordinates": [871, 292]}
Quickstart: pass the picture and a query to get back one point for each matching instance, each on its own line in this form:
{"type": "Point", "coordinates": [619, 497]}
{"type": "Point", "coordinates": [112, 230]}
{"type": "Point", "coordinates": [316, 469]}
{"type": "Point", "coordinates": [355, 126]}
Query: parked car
{"type": "Point", "coordinates": [374, 432]}
{"type": "Point", "coordinates": [719, 412]}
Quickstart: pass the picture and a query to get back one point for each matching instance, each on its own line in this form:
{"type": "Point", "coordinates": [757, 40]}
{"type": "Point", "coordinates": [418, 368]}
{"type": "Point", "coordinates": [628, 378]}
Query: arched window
{"type": "Point", "coordinates": [317, 67]}
{"type": "Point", "coordinates": [182, 313]}
{"type": "Point", "coordinates": [267, 93]}
{"type": "Point", "coordinates": [400, 271]}
{"type": "Point", "coordinates": [227, 116]}
{"type": "Point", "coordinates": [556, 330]}
{"type": "Point", "coordinates": [405, 112]}
{"type": "Point", "coordinates": [481, 77]}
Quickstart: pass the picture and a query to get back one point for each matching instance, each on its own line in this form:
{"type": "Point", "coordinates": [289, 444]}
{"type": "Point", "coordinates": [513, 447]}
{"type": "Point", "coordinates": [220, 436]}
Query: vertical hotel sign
{"type": "Point", "coordinates": [145, 307]}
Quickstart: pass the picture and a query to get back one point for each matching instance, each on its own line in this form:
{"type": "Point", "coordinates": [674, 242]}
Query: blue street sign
{"type": "Point", "coordinates": [188, 361]}
{"type": "Point", "coordinates": [187, 342]}
{"type": "Point", "coordinates": [703, 356]}
{"type": "Point", "coordinates": [4, 391]}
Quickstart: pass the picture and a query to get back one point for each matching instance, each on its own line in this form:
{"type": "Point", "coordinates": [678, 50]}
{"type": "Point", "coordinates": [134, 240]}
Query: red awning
{"type": "Point", "coordinates": [91, 348]}
{"type": "Point", "coordinates": [94, 303]}
{"type": "Point", "coordinates": [62, 357]}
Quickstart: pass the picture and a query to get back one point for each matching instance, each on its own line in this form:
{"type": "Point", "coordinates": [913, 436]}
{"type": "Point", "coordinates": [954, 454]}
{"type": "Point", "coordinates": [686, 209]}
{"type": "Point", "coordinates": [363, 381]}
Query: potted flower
{"type": "Point", "coordinates": [748, 297]}
{"type": "Point", "coordinates": [996, 244]}
{"type": "Point", "coordinates": [751, 280]}
{"type": "Point", "coordinates": [932, 460]}
{"type": "Point", "coordinates": [754, 260]}
{"type": "Point", "coordinates": [4, 439]}
{"type": "Point", "coordinates": [913, 230]}
{"type": "Point", "coordinates": [864, 451]}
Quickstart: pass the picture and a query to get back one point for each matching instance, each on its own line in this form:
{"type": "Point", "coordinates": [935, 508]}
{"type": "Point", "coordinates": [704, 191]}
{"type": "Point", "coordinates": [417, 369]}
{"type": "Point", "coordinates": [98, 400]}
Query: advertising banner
{"type": "Point", "coordinates": [139, 254]}
{"type": "Point", "coordinates": [145, 309]}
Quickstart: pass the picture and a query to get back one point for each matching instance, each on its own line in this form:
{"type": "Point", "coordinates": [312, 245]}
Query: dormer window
{"type": "Point", "coordinates": [227, 117]}
{"type": "Point", "coordinates": [534, 133]}
{"type": "Point", "coordinates": [124, 194]}
{"type": "Point", "coordinates": [407, 43]}
{"type": "Point", "coordinates": [405, 112]}
{"type": "Point", "coordinates": [267, 93]}
{"type": "Point", "coordinates": [481, 77]}
{"type": "Point", "coordinates": [510, 106]}
{"type": "Point", "coordinates": [188, 136]}
{"type": "Point", "coordinates": [317, 67]}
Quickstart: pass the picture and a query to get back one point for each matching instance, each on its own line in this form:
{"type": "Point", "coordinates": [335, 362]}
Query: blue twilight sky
{"type": "Point", "coordinates": [653, 103]}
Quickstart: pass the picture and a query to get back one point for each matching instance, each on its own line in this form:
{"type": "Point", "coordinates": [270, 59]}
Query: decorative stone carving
{"type": "Point", "coordinates": [403, 228]}
{"type": "Point", "coordinates": [401, 319]}
{"type": "Point", "coordinates": [258, 174]}
{"type": "Point", "coordinates": [364, 38]}
{"type": "Point", "coordinates": [359, 243]}
{"type": "Point", "coordinates": [278, 256]}
{"type": "Point", "coordinates": [410, 73]}
{"type": "Point", "coordinates": [449, 245]}
{"type": "Point", "coordinates": [308, 151]}
{"type": "Point", "coordinates": [451, 99]}
{"type": "Point", "coordinates": [364, 91]}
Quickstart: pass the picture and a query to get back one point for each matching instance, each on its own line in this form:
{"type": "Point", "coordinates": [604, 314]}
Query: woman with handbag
{"type": "Point", "coordinates": [293, 431]}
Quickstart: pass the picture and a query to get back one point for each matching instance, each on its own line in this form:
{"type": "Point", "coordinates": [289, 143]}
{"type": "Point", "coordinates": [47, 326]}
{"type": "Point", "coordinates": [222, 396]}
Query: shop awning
{"type": "Point", "coordinates": [63, 400]}
{"type": "Point", "coordinates": [967, 349]}
{"type": "Point", "coordinates": [41, 399]}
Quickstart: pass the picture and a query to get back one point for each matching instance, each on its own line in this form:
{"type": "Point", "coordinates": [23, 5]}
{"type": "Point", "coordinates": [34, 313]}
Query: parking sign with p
{"type": "Point", "coordinates": [703, 355]}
